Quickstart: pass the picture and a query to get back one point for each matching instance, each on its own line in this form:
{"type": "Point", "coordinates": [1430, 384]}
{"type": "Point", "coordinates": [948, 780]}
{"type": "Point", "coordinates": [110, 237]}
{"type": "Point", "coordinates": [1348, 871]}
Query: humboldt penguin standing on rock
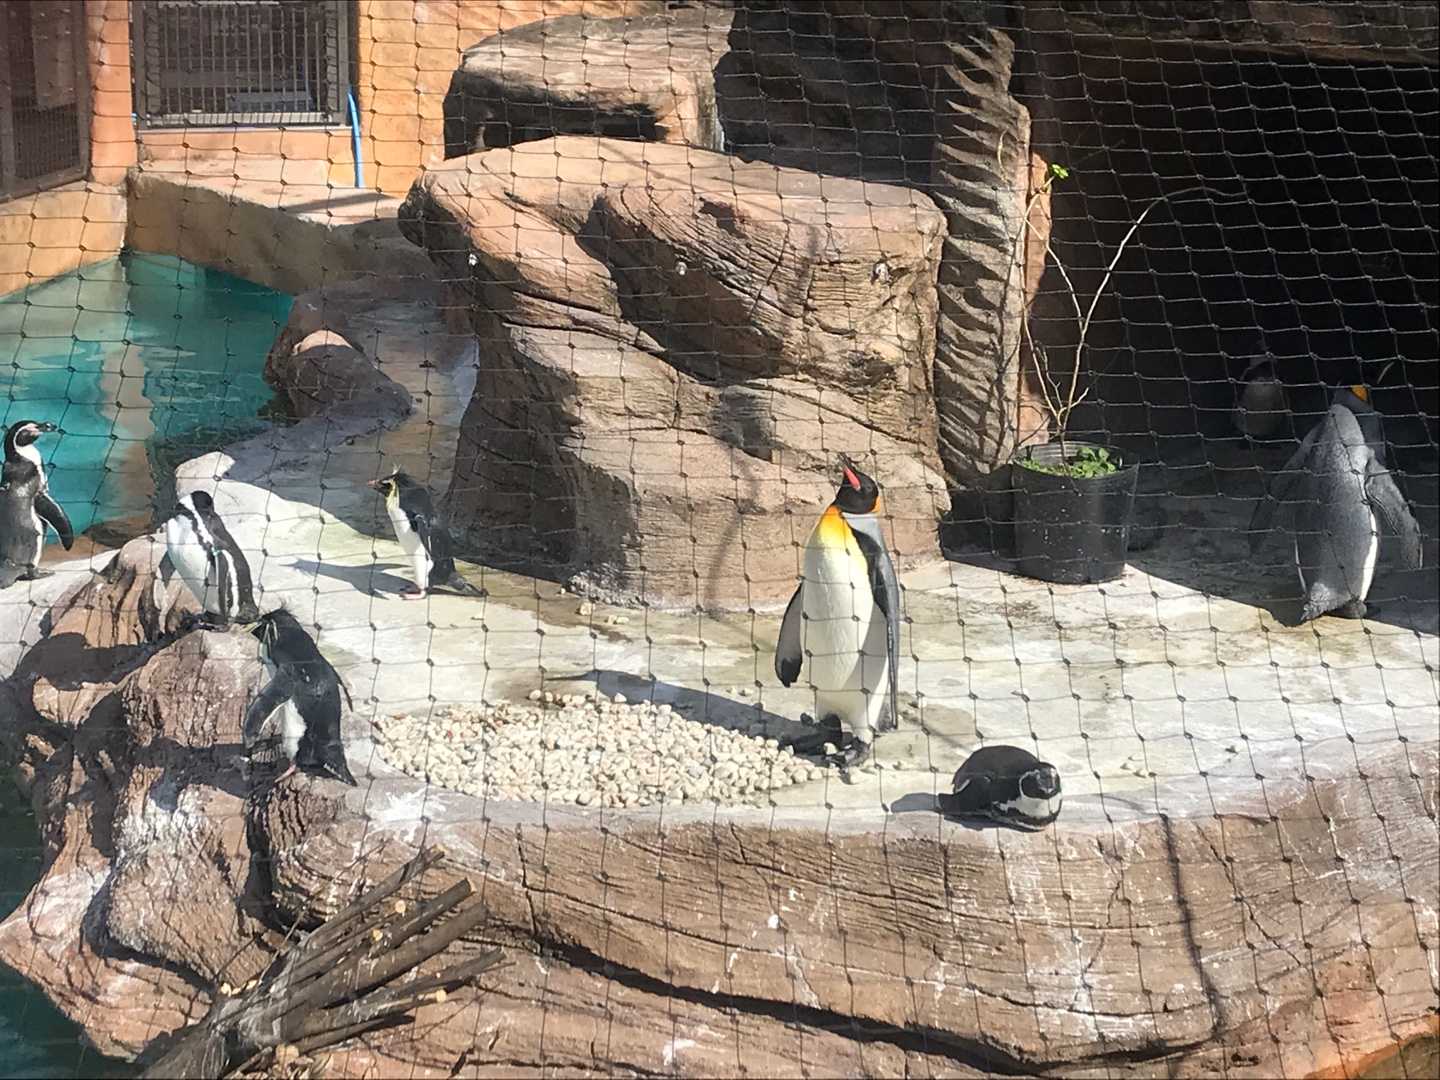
{"type": "Point", "coordinates": [26, 506]}
{"type": "Point", "coordinates": [422, 535]}
{"type": "Point", "coordinates": [306, 690]}
{"type": "Point", "coordinates": [845, 617]}
{"type": "Point", "coordinates": [1339, 493]}
{"type": "Point", "coordinates": [201, 550]}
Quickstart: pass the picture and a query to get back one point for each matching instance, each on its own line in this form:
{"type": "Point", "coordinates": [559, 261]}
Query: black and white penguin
{"type": "Point", "coordinates": [1005, 784]}
{"type": "Point", "coordinates": [422, 535]}
{"type": "Point", "coordinates": [1260, 410]}
{"type": "Point", "coordinates": [201, 550]}
{"type": "Point", "coordinates": [26, 506]}
{"type": "Point", "coordinates": [845, 617]}
{"type": "Point", "coordinates": [305, 690]}
{"type": "Point", "coordinates": [1338, 493]}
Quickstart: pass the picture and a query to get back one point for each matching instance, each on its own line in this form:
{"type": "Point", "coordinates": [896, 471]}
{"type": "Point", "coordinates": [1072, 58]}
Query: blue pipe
{"type": "Point", "coordinates": [355, 141]}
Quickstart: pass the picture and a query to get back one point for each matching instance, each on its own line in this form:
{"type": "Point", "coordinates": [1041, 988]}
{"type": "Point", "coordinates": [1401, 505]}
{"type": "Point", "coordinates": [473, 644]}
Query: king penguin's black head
{"type": "Point", "coordinates": [858, 493]}
{"type": "Point", "coordinates": [25, 432]}
{"type": "Point", "coordinates": [1041, 782]}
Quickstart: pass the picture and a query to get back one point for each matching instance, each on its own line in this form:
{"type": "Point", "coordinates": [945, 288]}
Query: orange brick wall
{"type": "Point", "coordinates": [407, 51]}
{"type": "Point", "coordinates": [112, 132]}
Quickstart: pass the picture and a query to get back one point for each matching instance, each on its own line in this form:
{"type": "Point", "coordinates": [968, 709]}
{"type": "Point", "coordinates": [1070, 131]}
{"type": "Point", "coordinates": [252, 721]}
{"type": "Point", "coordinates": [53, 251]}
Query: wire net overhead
{"type": "Point", "coordinates": [798, 538]}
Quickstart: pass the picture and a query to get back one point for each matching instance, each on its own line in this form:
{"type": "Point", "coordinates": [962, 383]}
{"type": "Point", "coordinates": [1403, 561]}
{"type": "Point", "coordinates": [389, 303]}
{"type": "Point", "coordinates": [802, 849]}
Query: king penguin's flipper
{"type": "Point", "coordinates": [1291, 474]}
{"type": "Point", "coordinates": [265, 703]}
{"type": "Point", "coordinates": [789, 649]}
{"type": "Point", "coordinates": [1392, 510]}
{"type": "Point", "coordinates": [885, 590]}
{"type": "Point", "coordinates": [54, 515]}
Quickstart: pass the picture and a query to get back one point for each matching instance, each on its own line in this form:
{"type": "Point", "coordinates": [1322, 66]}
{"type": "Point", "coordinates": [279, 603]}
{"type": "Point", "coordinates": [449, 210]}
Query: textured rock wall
{"type": "Point", "coordinates": [675, 346]}
{"type": "Point", "coordinates": [1288, 934]}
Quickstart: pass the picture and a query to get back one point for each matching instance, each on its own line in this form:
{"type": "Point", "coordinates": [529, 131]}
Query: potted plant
{"type": "Point", "coordinates": [1074, 500]}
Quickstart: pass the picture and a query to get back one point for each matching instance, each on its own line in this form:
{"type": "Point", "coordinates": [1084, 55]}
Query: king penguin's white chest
{"type": "Point", "coordinates": [839, 606]}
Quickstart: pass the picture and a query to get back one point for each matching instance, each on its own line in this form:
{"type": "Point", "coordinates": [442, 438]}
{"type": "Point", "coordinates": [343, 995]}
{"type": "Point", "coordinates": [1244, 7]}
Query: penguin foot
{"type": "Point", "coordinates": [828, 730]}
{"type": "Point", "coordinates": [35, 574]}
{"type": "Point", "coordinates": [413, 594]}
{"type": "Point", "coordinates": [855, 753]}
{"type": "Point", "coordinates": [1355, 609]}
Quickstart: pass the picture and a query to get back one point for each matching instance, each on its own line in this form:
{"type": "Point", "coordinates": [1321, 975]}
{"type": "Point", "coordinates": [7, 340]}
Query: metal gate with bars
{"type": "Point", "coordinates": [240, 62]}
{"type": "Point", "coordinates": [44, 95]}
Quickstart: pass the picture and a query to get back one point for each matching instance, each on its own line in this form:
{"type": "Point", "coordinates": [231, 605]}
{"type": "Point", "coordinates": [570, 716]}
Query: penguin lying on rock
{"type": "Point", "coordinates": [422, 535]}
{"type": "Point", "coordinates": [306, 691]}
{"type": "Point", "coordinates": [201, 550]}
{"type": "Point", "coordinates": [1338, 491]}
{"type": "Point", "coordinates": [845, 617]}
{"type": "Point", "coordinates": [26, 506]}
{"type": "Point", "coordinates": [1005, 784]}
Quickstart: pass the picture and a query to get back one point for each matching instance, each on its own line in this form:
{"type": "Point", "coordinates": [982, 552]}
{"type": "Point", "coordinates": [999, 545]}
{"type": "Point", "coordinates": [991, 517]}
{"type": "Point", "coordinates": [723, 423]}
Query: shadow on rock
{"type": "Point", "coordinates": [370, 579]}
{"type": "Point", "coordinates": [697, 705]}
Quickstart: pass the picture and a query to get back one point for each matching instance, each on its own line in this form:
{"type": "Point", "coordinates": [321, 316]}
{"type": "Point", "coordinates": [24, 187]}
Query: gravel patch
{"type": "Point", "coordinates": [588, 750]}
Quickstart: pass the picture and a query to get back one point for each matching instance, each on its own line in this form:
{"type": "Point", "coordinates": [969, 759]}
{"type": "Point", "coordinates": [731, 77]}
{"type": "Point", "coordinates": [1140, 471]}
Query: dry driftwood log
{"type": "Point", "coordinates": [343, 980]}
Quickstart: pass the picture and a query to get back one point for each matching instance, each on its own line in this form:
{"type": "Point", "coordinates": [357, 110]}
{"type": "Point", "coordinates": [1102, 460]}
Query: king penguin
{"type": "Point", "coordinates": [201, 550]}
{"type": "Point", "coordinates": [1005, 784]}
{"type": "Point", "coordinates": [306, 690]}
{"type": "Point", "coordinates": [845, 616]}
{"type": "Point", "coordinates": [1339, 494]}
{"type": "Point", "coordinates": [1260, 409]}
{"type": "Point", "coordinates": [26, 506]}
{"type": "Point", "coordinates": [422, 535]}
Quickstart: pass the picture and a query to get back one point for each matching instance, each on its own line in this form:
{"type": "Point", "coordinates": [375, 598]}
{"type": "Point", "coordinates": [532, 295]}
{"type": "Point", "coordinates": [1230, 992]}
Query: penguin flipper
{"type": "Point", "coordinates": [789, 649]}
{"type": "Point", "coordinates": [265, 703]}
{"type": "Point", "coordinates": [1390, 506]}
{"type": "Point", "coordinates": [53, 514]}
{"type": "Point", "coordinates": [1291, 473]}
{"type": "Point", "coordinates": [885, 591]}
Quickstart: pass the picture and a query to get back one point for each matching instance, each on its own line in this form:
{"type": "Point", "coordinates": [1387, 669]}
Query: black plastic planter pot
{"type": "Point", "coordinates": [1071, 529]}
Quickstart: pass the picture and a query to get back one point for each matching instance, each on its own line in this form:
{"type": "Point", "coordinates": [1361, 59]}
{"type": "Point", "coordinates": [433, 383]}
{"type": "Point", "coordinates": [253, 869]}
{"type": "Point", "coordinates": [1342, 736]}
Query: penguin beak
{"type": "Point", "coordinates": [46, 426]}
{"type": "Point", "coordinates": [850, 476]}
{"type": "Point", "coordinates": [375, 484]}
{"type": "Point", "coordinates": [1361, 392]}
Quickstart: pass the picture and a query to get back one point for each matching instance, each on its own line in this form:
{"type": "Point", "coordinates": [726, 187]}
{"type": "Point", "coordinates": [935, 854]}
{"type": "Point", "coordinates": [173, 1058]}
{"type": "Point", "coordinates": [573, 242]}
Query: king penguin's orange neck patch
{"type": "Point", "coordinates": [833, 529]}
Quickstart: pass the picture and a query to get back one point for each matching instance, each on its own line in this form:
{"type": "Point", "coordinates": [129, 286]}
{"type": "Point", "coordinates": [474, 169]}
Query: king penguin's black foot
{"type": "Point", "coordinates": [828, 730]}
{"type": "Point", "coordinates": [1355, 609]}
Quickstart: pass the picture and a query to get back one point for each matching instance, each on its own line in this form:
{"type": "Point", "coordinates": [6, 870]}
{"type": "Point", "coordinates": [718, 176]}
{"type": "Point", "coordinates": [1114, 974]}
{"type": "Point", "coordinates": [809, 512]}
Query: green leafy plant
{"type": "Point", "coordinates": [1088, 462]}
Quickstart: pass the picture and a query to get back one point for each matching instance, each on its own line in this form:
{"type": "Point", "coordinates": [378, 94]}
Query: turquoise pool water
{"type": "Point", "coordinates": [143, 361]}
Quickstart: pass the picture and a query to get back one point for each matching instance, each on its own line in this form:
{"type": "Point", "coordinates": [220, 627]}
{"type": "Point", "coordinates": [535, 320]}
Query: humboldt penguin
{"type": "Point", "coordinates": [1338, 493]}
{"type": "Point", "coordinates": [1005, 784]}
{"type": "Point", "coordinates": [845, 617]}
{"type": "Point", "coordinates": [422, 536]}
{"type": "Point", "coordinates": [306, 690]}
{"type": "Point", "coordinates": [201, 550]}
{"type": "Point", "coordinates": [26, 507]}
{"type": "Point", "coordinates": [1260, 410]}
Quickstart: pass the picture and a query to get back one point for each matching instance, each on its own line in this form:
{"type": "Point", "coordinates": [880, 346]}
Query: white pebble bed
{"type": "Point", "coordinates": [588, 750]}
